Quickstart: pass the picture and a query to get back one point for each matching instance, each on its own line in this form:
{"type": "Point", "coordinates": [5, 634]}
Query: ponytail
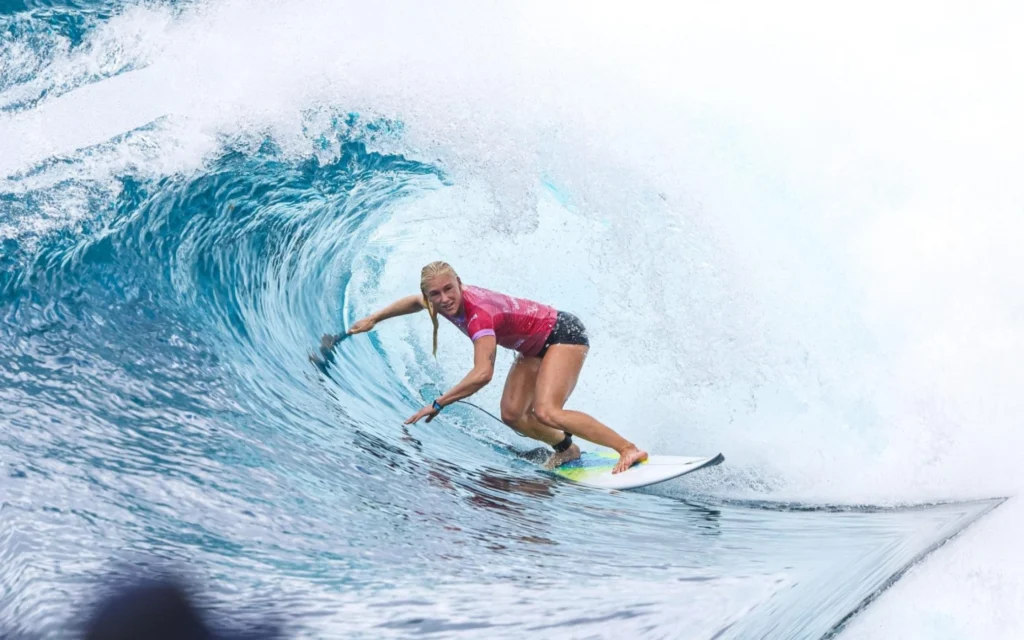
{"type": "Point", "coordinates": [433, 318]}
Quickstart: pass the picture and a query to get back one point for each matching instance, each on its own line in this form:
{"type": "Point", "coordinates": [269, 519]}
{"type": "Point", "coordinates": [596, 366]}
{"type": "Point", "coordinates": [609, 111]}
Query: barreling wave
{"type": "Point", "coordinates": [169, 259]}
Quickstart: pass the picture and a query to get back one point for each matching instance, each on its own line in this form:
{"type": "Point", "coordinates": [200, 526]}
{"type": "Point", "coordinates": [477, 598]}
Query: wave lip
{"type": "Point", "coordinates": [176, 237]}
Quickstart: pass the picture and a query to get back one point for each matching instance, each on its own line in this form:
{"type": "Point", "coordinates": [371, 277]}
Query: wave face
{"type": "Point", "coordinates": [191, 194]}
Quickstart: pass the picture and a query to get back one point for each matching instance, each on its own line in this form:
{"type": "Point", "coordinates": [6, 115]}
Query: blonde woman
{"type": "Point", "coordinates": [552, 346]}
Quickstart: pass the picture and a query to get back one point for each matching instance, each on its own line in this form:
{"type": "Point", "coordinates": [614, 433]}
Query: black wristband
{"type": "Point", "coordinates": [564, 444]}
{"type": "Point", "coordinates": [437, 406]}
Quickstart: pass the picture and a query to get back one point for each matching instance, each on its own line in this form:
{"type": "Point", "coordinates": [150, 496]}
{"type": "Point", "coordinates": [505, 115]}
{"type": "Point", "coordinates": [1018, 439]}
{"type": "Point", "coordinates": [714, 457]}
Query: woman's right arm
{"type": "Point", "coordinates": [401, 307]}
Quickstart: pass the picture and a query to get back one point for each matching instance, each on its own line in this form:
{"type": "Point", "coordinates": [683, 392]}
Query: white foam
{"type": "Point", "coordinates": [795, 226]}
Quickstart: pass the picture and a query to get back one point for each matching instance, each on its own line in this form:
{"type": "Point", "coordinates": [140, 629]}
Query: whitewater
{"type": "Point", "coordinates": [791, 230]}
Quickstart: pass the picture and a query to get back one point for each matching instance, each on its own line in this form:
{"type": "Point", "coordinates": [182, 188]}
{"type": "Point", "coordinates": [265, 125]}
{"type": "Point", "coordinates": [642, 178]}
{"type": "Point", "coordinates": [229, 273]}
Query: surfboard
{"type": "Point", "coordinates": [594, 469]}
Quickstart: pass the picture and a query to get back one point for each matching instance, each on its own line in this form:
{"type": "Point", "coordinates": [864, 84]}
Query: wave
{"type": "Point", "coordinates": [187, 203]}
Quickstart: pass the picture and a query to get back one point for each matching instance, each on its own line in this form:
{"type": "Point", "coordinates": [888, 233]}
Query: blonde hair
{"type": "Point", "coordinates": [432, 270]}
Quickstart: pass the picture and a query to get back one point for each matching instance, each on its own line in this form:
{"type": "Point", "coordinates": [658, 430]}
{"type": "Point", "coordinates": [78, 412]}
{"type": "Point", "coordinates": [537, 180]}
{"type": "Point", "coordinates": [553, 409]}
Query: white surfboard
{"type": "Point", "coordinates": [594, 469]}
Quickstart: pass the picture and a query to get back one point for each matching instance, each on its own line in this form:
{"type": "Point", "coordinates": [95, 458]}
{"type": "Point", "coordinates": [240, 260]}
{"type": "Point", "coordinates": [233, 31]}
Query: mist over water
{"type": "Point", "coordinates": [791, 232]}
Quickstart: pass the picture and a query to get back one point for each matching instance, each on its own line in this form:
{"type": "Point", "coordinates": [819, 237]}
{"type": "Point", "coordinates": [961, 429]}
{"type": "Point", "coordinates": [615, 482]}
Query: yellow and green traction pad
{"type": "Point", "coordinates": [589, 464]}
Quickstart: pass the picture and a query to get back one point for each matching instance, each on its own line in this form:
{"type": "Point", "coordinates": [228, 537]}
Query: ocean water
{"type": "Point", "coordinates": [788, 249]}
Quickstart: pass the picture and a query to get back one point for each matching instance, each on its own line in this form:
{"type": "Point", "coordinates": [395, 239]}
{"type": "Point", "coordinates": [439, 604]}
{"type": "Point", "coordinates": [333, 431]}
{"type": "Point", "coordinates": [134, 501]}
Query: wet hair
{"type": "Point", "coordinates": [432, 270]}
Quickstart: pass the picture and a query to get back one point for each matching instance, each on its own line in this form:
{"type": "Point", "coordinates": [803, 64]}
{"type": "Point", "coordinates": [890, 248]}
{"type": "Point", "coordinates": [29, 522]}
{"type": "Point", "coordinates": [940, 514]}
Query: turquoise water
{"type": "Point", "coordinates": [158, 410]}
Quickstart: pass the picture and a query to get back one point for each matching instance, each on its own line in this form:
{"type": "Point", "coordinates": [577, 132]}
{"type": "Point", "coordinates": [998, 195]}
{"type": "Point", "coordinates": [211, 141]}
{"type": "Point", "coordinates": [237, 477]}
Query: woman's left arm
{"type": "Point", "coordinates": [485, 350]}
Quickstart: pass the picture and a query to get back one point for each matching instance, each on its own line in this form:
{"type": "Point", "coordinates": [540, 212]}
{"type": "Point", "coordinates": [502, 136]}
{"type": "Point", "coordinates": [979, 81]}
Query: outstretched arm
{"type": "Point", "coordinates": [401, 307]}
{"type": "Point", "coordinates": [484, 352]}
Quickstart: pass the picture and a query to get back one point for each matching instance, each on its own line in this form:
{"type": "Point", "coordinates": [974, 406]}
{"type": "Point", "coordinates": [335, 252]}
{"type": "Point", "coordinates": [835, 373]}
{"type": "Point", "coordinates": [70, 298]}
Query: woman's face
{"type": "Point", "coordinates": [445, 293]}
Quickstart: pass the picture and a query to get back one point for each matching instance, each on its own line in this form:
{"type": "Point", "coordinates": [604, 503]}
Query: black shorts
{"type": "Point", "coordinates": [568, 329]}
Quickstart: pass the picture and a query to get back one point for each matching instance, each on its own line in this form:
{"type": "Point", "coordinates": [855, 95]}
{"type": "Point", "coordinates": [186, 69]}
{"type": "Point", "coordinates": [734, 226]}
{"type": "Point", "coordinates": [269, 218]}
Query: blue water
{"type": "Point", "coordinates": [157, 409]}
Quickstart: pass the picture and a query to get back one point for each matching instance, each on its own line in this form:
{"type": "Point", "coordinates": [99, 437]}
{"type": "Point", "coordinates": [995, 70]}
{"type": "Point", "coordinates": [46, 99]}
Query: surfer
{"type": "Point", "coordinates": [551, 346]}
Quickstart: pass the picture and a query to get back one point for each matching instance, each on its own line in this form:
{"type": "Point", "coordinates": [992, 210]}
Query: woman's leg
{"type": "Point", "coordinates": [556, 379]}
{"type": "Point", "coordinates": [517, 402]}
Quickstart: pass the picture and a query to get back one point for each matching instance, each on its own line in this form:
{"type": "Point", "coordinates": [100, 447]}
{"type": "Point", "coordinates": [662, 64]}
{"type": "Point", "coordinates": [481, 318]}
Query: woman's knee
{"type": "Point", "coordinates": [548, 414]}
{"type": "Point", "coordinates": [511, 415]}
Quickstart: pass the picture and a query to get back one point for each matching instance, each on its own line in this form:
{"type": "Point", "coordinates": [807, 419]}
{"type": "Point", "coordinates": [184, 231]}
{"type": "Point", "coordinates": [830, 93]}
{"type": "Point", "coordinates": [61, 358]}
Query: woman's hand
{"type": "Point", "coordinates": [428, 412]}
{"type": "Point", "coordinates": [362, 326]}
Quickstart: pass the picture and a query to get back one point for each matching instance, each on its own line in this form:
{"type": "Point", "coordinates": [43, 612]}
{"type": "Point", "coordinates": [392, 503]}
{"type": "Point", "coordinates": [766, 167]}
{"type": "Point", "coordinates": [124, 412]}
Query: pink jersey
{"type": "Point", "coordinates": [515, 323]}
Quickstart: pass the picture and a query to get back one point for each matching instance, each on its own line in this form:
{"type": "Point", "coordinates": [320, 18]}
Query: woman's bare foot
{"type": "Point", "coordinates": [556, 459]}
{"type": "Point", "coordinates": [628, 457]}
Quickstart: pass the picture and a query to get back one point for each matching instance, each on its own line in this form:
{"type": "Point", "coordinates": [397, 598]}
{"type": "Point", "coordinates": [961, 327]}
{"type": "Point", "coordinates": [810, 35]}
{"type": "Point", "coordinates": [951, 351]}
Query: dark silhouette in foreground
{"type": "Point", "coordinates": [159, 610]}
